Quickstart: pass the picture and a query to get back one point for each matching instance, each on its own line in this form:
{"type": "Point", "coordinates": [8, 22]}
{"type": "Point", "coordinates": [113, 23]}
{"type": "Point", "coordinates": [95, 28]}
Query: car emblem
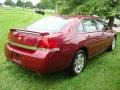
{"type": "Point", "coordinates": [19, 38]}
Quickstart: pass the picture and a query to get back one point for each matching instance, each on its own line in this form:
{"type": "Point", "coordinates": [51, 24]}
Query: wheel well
{"type": "Point", "coordinates": [86, 51]}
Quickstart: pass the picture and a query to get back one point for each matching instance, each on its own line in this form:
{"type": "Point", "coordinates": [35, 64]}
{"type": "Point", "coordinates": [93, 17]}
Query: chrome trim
{"type": "Point", "coordinates": [53, 49]}
{"type": "Point", "coordinates": [33, 48]}
{"type": "Point", "coordinates": [23, 46]}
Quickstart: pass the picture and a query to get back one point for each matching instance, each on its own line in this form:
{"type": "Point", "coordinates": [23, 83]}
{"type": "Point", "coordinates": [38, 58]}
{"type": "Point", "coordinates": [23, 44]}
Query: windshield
{"type": "Point", "coordinates": [50, 24]}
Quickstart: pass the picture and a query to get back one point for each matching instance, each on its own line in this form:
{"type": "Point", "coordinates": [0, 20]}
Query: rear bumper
{"type": "Point", "coordinates": [39, 61]}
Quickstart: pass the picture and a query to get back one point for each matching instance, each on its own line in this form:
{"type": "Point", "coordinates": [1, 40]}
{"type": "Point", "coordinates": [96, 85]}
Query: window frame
{"type": "Point", "coordinates": [82, 31]}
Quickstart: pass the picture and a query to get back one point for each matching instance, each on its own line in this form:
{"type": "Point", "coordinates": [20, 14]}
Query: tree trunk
{"type": "Point", "coordinates": [111, 22]}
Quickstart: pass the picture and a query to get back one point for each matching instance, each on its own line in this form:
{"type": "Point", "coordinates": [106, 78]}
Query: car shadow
{"type": "Point", "coordinates": [27, 76]}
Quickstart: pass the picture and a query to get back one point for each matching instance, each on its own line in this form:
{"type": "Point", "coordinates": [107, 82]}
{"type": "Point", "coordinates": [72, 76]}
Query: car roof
{"type": "Point", "coordinates": [77, 16]}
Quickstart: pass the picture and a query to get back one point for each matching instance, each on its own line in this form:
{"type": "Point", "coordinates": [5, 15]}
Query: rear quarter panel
{"type": "Point", "coordinates": [71, 42]}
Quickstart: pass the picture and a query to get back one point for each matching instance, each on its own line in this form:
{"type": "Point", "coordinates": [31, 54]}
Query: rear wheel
{"type": "Point", "coordinates": [79, 62]}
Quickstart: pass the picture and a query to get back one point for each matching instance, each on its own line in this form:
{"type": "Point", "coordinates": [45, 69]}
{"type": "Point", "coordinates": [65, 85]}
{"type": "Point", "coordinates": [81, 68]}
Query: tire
{"type": "Point", "coordinates": [113, 45]}
{"type": "Point", "coordinates": [79, 62]}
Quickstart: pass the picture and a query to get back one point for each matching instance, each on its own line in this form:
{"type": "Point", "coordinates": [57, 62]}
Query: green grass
{"type": "Point", "coordinates": [101, 73]}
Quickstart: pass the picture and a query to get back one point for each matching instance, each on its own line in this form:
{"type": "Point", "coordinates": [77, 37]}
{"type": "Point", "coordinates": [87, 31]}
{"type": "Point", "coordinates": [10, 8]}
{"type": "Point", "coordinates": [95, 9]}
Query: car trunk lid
{"type": "Point", "coordinates": [25, 39]}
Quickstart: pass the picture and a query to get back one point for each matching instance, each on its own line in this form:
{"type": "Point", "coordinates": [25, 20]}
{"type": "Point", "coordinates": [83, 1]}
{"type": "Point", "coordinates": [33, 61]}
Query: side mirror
{"type": "Point", "coordinates": [105, 26]}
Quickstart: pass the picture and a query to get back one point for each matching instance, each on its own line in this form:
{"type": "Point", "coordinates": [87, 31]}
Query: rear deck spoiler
{"type": "Point", "coordinates": [25, 31]}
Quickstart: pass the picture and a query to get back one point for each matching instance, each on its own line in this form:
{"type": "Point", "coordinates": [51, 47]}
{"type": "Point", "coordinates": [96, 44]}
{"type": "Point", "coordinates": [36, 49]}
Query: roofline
{"type": "Point", "coordinates": [77, 16]}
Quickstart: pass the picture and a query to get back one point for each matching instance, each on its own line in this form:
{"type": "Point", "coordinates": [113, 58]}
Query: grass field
{"type": "Point", "coordinates": [101, 73]}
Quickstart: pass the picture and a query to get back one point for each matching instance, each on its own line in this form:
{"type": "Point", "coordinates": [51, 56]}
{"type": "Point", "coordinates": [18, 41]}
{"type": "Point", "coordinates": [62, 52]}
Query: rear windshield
{"type": "Point", "coordinates": [50, 24]}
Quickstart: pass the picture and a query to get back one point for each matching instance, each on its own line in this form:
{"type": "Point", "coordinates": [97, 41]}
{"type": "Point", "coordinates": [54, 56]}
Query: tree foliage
{"type": "Point", "coordinates": [103, 8]}
{"type": "Point", "coordinates": [29, 4]}
{"type": "Point", "coordinates": [9, 3]}
{"type": "Point", "coordinates": [19, 3]}
{"type": "Point", "coordinates": [38, 5]}
{"type": "Point", "coordinates": [48, 4]}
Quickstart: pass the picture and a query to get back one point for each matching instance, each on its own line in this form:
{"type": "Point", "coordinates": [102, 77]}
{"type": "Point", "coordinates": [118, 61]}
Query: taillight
{"type": "Point", "coordinates": [48, 44]}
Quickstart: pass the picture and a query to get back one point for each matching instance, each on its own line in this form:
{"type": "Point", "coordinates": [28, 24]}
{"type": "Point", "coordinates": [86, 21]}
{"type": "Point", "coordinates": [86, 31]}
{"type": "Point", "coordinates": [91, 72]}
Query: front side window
{"type": "Point", "coordinates": [100, 25]}
{"type": "Point", "coordinates": [89, 25]}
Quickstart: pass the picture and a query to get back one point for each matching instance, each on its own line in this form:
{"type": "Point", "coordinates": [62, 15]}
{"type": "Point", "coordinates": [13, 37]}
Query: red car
{"type": "Point", "coordinates": [57, 43]}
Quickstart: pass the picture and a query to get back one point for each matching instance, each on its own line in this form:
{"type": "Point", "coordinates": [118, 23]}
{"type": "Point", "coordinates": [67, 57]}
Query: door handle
{"type": "Point", "coordinates": [88, 36]}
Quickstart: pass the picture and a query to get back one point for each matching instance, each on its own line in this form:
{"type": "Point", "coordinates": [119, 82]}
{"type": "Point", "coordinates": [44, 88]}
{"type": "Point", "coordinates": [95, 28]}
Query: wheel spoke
{"type": "Point", "coordinates": [79, 63]}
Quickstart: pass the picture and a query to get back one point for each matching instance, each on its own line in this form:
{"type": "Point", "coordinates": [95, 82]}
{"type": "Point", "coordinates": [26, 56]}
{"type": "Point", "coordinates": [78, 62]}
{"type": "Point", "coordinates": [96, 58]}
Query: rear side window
{"type": "Point", "coordinates": [89, 25]}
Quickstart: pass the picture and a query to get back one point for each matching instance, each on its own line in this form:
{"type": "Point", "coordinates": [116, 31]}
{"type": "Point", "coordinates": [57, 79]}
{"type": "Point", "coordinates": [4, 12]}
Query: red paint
{"type": "Point", "coordinates": [69, 41]}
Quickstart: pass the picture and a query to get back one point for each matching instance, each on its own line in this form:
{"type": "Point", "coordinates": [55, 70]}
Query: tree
{"type": "Point", "coordinates": [29, 4]}
{"type": "Point", "coordinates": [108, 9]}
{"type": "Point", "coordinates": [38, 5]}
{"type": "Point", "coordinates": [48, 4]}
{"type": "Point", "coordinates": [19, 3]}
{"type": "Point", "coordinates": [9, 3]}
{"type": "Point", "coordinates": [13, 4]}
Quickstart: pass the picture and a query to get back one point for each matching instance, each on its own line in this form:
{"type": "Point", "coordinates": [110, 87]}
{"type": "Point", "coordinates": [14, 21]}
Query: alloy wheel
{"type": "Point", "coordinates": [79, 63]}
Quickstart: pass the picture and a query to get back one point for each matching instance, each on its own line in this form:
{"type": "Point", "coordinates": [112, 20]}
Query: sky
{"type": "Point", "coordinates": [33, 1]}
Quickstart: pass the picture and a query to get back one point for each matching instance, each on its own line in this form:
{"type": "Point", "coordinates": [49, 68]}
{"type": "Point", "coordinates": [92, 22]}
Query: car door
{"type": "Point", "coordinates": [93, 36]}
{"type": "Point", "coordinates": [108, 37]}
{"type": "Point", "coordinates": [106, 34]}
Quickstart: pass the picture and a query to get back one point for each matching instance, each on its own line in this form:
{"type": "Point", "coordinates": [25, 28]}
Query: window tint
{"type": "Point", "coordinates": [89, 25]}
{"type": "Point", "coordinates": [80, 27]}
{"type": "Point", "coordinates": [100, 25]}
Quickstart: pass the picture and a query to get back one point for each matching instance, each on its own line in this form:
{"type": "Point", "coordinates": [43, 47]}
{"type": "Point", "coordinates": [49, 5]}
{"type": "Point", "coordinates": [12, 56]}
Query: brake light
{"type": "Point", "coordinates": [48, 44]}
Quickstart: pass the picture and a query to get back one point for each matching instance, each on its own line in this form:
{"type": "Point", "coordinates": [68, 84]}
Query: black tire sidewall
{"type": "Point", "coordinates": [110, 47]}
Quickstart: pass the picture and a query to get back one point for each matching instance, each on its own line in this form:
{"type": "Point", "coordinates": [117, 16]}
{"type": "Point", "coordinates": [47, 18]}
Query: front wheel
{"type": "Point", "coordinates": [79, 62]}
{"type": "Point", "coordinates": [113, 46]}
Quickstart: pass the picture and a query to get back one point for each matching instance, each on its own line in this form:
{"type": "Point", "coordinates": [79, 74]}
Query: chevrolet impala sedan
{"type": "Point", "coordinates": [57, 43]}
